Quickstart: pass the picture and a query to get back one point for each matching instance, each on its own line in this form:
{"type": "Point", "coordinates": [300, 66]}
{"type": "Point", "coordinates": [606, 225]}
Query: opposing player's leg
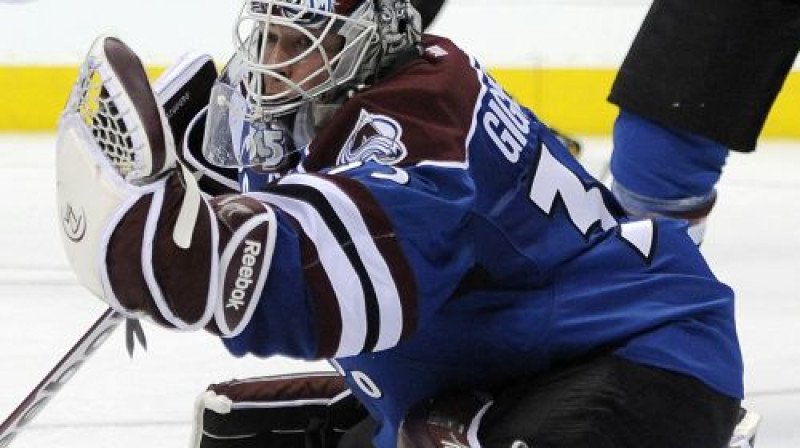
{"type": "Point", "coordinates": [290, 411]}
{"type": "Point", "coordinates": [710, 67]}
{"type": "Point", "coordinates": [659, 171]}
{"type": "Point", "coordinates": [138, 230]}
{"type": "Point", "coordinates": [703, 75]}
{"type": "Point", "coordinates": [600, 402]}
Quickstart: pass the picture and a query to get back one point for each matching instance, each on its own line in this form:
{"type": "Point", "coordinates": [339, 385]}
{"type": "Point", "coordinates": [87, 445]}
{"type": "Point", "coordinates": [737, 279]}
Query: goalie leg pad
{"type": "Point", "coordinates": [451, 419]}
{"type": "Point", "coordinates": [293, 411]}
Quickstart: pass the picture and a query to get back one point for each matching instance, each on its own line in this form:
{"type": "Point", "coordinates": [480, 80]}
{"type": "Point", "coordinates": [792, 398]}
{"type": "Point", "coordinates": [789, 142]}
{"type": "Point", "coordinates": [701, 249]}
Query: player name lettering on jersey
{"type": "Point", "coordinates": [505, 123]}
{"type": "Point", "coordinates": [249, 258]}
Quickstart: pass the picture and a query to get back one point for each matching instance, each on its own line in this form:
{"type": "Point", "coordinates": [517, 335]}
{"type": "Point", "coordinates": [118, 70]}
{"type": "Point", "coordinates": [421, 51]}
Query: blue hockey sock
{"type": "Point", "coordinates": [664, 172]}
{"type": "Point", "coordinates": [663, 164]}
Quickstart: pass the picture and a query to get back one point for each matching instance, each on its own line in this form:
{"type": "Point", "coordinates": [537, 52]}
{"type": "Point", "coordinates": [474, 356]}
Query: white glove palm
{"type": "Point", "coordinates": [114, 148]}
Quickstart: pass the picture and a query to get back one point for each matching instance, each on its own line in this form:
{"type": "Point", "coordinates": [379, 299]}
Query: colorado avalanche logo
{"type": "Point", "coordinates": [375, 137]}
{"type": "Point", "coordinates": [73, 223]}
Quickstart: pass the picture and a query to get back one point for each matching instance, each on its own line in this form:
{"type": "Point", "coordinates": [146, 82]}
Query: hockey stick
{"type": "Point", "coordinates": [182, 90]}
{"type": "Point", "coordinates": [59, 375]}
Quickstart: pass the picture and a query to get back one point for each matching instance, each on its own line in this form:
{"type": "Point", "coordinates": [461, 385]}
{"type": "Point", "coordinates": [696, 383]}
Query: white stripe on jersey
{"type": "Point", "coordinates": [343, 277]}
{"type": "Point", "coordinates": [390, 309]}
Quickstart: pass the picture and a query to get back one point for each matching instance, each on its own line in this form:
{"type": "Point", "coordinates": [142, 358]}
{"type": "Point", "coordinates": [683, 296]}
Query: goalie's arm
{"type": "Point", "coordinates": [319, 266]}
{"type": "Point", "coordinates": [142, 237]}
{"type": "Point", "coordinates": [372, 253]}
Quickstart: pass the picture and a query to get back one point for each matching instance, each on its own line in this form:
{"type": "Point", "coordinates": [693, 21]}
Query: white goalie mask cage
{"type": "Point", "coordinates": [248, 116]}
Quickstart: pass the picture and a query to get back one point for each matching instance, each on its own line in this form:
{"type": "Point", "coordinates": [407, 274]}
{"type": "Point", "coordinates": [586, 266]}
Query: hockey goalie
{"type": "Point", "coordinates": [353, 189]}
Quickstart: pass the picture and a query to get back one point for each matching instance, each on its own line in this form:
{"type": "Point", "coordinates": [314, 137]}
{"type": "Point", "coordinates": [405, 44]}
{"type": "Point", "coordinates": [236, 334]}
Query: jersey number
{"type": "Point", "coordinates": [585, 208]}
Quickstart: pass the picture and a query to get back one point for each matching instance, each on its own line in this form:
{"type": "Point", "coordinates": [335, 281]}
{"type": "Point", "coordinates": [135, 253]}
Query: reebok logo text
{"type": "Point", "coordinates": [244, 280]}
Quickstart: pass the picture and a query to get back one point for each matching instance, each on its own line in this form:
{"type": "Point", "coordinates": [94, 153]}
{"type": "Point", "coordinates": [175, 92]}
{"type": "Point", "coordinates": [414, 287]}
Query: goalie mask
{"type": "Point", "coordinates": [293, 58]}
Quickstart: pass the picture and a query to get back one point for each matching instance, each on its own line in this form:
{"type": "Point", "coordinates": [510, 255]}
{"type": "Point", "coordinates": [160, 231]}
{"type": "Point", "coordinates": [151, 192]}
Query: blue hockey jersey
{"type": "Point", "coordinates": [438, 235]}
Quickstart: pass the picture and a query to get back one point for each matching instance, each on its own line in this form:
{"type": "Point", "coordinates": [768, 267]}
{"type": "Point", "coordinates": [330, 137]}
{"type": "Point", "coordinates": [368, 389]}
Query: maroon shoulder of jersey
{"type": "Point", "coordinates": [424, 111]}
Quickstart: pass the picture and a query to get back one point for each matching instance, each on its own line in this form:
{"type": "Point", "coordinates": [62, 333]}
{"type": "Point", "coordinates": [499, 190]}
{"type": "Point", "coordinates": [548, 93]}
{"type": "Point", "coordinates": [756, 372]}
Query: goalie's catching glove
{"type": "Point", "coordinates": [136, 228]}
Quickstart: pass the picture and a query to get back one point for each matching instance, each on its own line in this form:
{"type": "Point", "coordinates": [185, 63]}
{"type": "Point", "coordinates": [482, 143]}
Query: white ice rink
{"type": "Point", "coordinates": [753, 244]}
